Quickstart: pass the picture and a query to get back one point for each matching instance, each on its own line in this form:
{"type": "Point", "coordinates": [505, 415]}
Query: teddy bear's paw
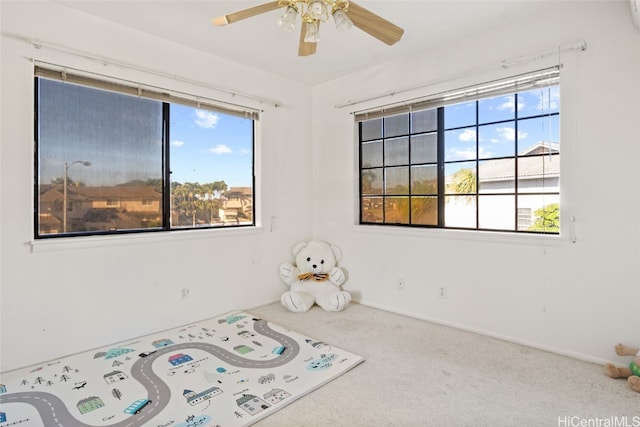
{"type": "Point", "coordinates": [337, 301]}
{"type": "Point", "coordinates": [634, 383]}
{"type": "Point", "coordinates": [336, 276]}
{"type": "Point", "coordinates": [288, 273]}
{"type": "Point", "coordinates": [296, 302]}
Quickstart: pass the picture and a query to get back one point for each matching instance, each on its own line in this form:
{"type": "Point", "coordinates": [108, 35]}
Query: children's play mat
{"type": "Point", "coordinates": [231, 370]}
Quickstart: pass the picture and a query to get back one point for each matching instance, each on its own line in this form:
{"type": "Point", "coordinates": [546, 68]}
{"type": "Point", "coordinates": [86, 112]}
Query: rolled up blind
{"type": "Point", "coordinates": [522, 82]}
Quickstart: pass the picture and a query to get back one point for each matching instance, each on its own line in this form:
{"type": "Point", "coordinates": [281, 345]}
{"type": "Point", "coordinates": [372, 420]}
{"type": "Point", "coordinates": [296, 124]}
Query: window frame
{"type": "Point", "coordinates": [438, 102]}
{"type": "Point", "coordinates": [166, 98]}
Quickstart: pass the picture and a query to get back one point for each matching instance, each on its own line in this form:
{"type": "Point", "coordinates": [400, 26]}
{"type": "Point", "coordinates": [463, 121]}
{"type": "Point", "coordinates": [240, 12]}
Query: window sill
{"type": "Point", "coordinates": [467, 235]}
{"type": "Point", "coordinates": [105, 241]}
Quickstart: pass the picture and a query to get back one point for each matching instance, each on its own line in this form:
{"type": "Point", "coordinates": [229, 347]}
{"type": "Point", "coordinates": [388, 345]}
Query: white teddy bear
{"type": "Point", "coordinates": [315, 278]}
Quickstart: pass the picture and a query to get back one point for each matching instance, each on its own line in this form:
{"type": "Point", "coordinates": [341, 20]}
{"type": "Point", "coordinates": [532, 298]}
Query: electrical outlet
{"type": "Point", "coordinates": [400, 284]}
{"type": "Point", "coordinates": [185, 294]}
{"type": "Point", "coordinates": [442, 292]}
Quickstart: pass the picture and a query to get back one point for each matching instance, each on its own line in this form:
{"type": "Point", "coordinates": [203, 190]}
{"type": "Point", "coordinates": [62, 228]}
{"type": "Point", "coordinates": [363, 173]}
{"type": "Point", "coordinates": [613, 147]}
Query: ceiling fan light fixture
{"type": "Point", "coordinates": [312, 34]}
{"type": "Point", "coordinates": [287, 21]}
{"type": "Point", "coordinates": [342, 21]}
{"type": "Point", "coordinates": [317, 10]}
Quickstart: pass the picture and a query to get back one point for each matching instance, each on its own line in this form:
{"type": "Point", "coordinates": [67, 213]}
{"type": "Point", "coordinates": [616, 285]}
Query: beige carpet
{"type": "Point", "coordinates": [418, 373]}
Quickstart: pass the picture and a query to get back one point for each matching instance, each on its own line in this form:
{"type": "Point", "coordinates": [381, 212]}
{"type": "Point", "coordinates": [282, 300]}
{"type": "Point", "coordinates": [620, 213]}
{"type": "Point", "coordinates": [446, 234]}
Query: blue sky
{"type": "Point", "coordinates": [207, 146]}
{"type": "Point", "coordinates": [499, 139]}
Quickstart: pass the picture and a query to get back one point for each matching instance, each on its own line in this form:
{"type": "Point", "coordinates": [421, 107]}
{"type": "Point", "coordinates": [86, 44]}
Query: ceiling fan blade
{"type": "Point", "coordinates": [373, 24]}
{"type": "Point", "coordinates": [305, 48]}
{"type": "Point", "coordinates": [245, 13]}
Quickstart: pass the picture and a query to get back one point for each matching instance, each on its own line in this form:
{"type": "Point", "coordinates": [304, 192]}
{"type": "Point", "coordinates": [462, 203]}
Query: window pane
{"type": "Point", "coordinates": [99, 160]}
{"type": "Point", "coordinates": [424, 148]}
{"type": "Point", "coordinates": [424, 121]}
{"type": "Point", "coordinates": [371, 181]}
{"type": "Point", "coordinates": [497, 140]}
{"type": "Point", "coordinates": [460, 211]}
{"type": "Point", "coordinates": [545, 213]}
{"type": "Point", "coordinates": [424, 180]}
{"type": "Point", "coordinates": [424, 210]}
{"type": "Point", "coordinates": [539, 101]}
{"type": "Point", "coordinates": [211, 168]}
{"type": "Point", "coordinates": [372, 154]}
{"type": "Point", "coordinates": [539, 174]}
{"type": "Point", "coordinates": [372, 209]}
{"type": "Point", "coordinates": [396, 151]}
{"type": "Point", "coordinates": [460, 144]}
{"type": "Point", "coordinates": [371, 129]}
{"type": "Point", "coordinates": [397, 180]}
{"type": "Point", "coordinates": [496, 212]}
{"type": "Point", "coordinates": [496, 109]}
{"type": "Point", "coordinates": [396, 210]}
{"type": "Point", "coordinates": [396, 125]}
{"type": "Point", "coordinates": [494, 158]}
{"type": "Point", "coordinates": [497, 176]}
{"type": "Point", "coordinates": [459, 115]}
{"type": "Point", "coordinates": [460, 178]}
{"type": "Point", "coordinates": [536, 136]}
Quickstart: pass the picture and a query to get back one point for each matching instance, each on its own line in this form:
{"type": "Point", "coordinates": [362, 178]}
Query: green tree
{"type": "Point", "coordinates": [463, 182]}
{"type": "Point", "coordinates": [211, 195]}
{"type": "Point", "coordinates": [185, 200]}
{"type": "Point", "coordinates": [547, 219]}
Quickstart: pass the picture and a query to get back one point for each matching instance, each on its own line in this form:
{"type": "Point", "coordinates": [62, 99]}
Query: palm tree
{"type": "Point", "coordinates": [464, 182]}
{"type": "Point", "coordinates": [185, 200]}
{"type": "Point", "coordinates": [211, 194]}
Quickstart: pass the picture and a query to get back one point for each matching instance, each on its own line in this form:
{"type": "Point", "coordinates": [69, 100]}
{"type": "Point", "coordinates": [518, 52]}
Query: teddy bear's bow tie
{"type": "Point", "coordinates": [316, 277]}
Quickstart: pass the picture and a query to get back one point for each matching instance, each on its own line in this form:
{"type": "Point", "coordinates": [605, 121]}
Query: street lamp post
{"type": "Point", "coordinates": [67, 165]}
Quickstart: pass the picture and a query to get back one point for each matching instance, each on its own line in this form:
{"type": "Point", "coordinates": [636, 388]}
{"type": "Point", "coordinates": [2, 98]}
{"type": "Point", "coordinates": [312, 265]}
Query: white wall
{"type": "Point", "coordinates": [62, 297]}
{"type": "Point", "coordinates": [575, 298]}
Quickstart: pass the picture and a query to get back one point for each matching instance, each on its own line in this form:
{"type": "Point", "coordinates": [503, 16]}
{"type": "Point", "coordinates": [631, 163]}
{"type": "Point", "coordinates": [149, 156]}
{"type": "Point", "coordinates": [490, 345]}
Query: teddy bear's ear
{"type": "Point", "coordinates": [337, 252]}
{"type": "Point", "coordinates": [297, 248]}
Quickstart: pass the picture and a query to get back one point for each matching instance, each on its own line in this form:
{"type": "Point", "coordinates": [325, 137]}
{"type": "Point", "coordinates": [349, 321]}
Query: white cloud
{"type": "Point", "coordinates": [244, 152]}
{"type": "Point", "coordinates": [177, 143]}
{"type": "Point", "coordinates": [467, 135]}
{"type": "Point", "coordinates": [206, 119]}
{"type": "Point", "coordinates": [220, 149]}
{"type": "Point", "coordinates": [509, 104]}
{"type": "Point", "coordinates": [509, 133]}
{"type": "Point", "coordinates": [467, 154]}
{"type": "Point", "coordinates": [459, 154]}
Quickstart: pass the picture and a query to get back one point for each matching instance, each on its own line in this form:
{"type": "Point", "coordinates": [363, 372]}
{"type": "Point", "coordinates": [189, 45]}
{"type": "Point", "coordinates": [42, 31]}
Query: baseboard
{"type": "Point", "coordinates": [507, 338]}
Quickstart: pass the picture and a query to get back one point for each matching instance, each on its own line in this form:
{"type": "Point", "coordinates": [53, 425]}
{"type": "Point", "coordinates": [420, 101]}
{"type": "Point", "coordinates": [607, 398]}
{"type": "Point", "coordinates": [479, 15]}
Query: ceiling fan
{"type": "Point", "coordinates": [345, 14]}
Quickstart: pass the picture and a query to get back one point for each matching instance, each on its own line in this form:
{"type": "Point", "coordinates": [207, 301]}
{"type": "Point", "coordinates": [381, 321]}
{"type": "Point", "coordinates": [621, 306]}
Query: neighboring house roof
{"type": "Point", "coordinates": [135, 192]}
{"type": "Point", "coordinates": [49, 194]}
{"type": "Point", "coordinates": [241, 191]}
{"type": "Point", "coordinates": [529, 167]}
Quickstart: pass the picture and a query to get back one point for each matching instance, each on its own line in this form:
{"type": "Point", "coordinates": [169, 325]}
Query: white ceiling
{"type": "Point", "coordinates": [259, 43]}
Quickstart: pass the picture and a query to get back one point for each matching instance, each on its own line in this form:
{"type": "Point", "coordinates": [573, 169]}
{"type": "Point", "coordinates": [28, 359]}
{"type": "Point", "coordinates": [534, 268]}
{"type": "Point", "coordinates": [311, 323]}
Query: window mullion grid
{"type": "Point", "coordinates": [516, 160]}
{"type": "Point", "coordinates": [477, 161]}
{"type": "Point", "coordinates": [384, 175]}
{"type": "Point", "coordinates": [440, 170]}
{"type": "Point", "coordinates": [166, 167]}
{"type": "Point", "coordinates": [409, 190]}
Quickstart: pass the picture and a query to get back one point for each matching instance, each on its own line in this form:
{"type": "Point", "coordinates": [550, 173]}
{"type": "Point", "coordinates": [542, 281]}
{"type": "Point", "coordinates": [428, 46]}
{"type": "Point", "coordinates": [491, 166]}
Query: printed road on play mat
{"type": "Point", "coordinates": [231, 370]}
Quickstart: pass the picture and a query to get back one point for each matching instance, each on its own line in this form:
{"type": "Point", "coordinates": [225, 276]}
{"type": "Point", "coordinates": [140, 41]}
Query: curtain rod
{"type": "Point", "coordinates": [581, 45]}
{"type": "Point", "coordinates": [38, 44]}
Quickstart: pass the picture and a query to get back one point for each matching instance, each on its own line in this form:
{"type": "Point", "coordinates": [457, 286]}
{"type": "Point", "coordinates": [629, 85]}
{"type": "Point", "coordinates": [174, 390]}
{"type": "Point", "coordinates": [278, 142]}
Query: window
{"type": "Point", "coordinates": [115, 159]}
{"type": "Point", "coordinates": [490, 163]}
